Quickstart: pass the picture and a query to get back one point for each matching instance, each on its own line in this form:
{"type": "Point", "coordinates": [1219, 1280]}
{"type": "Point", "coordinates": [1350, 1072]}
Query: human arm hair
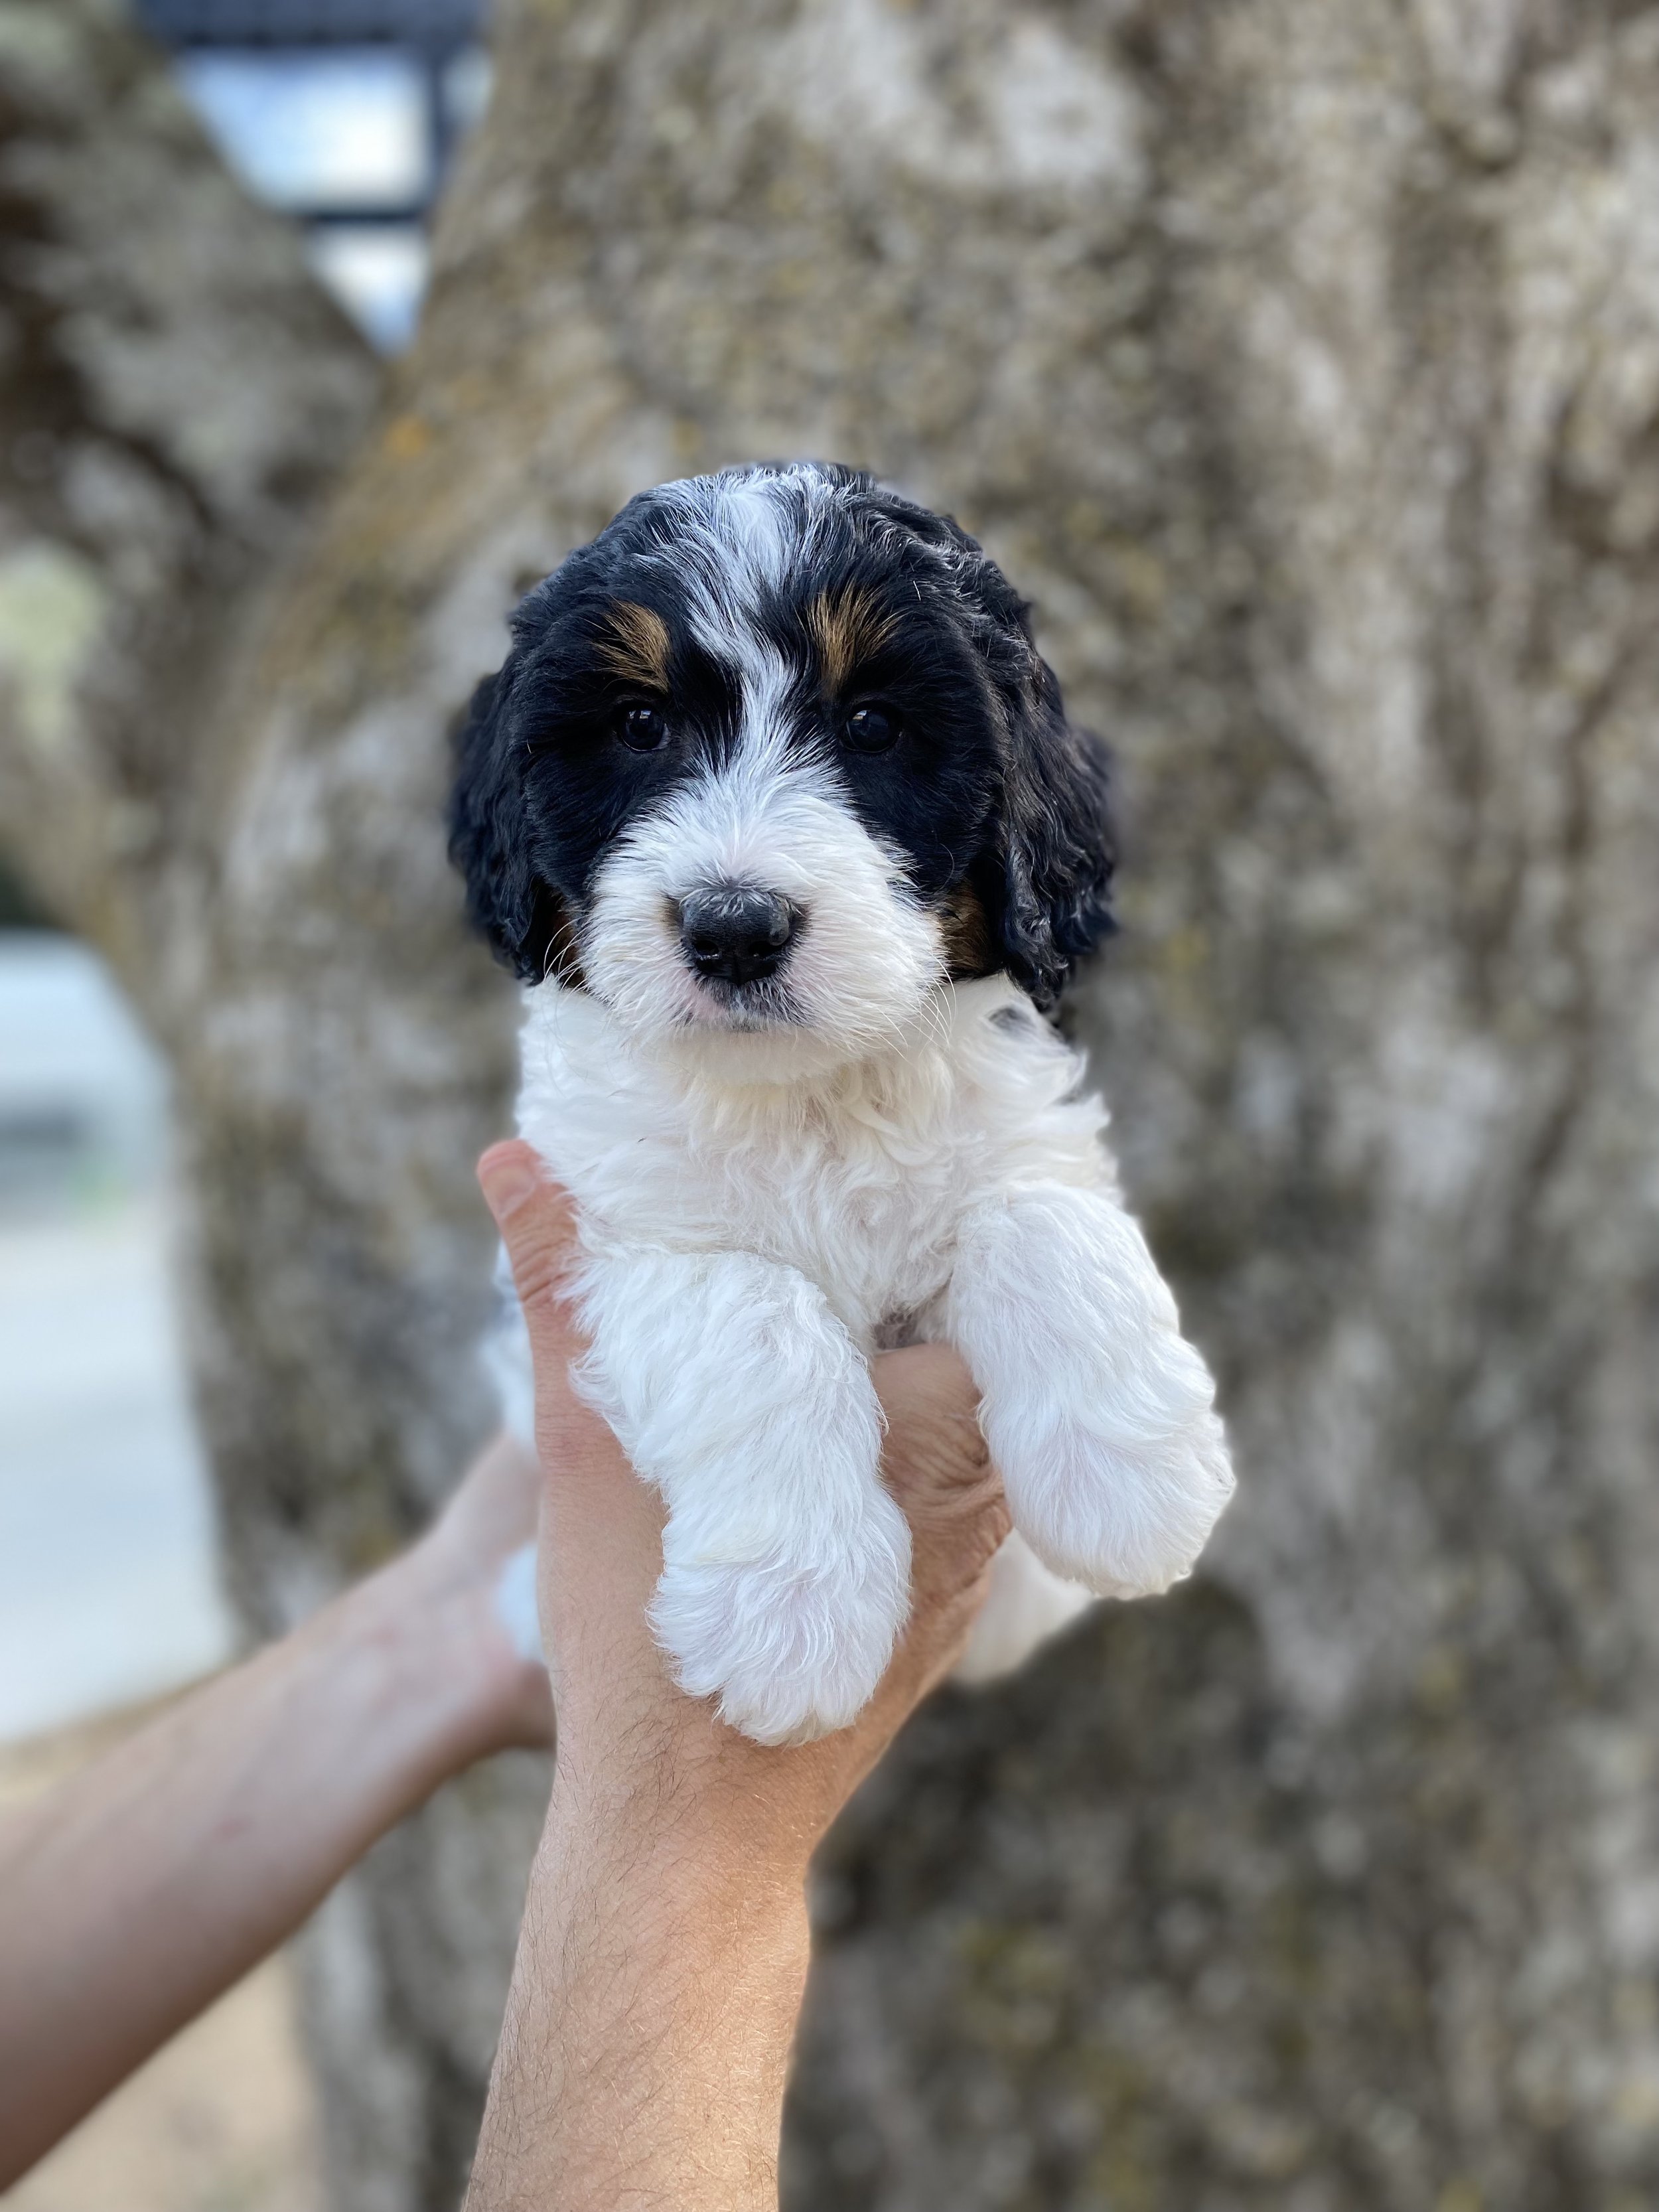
{"type": "Point", "coordinates": [144, 1885]}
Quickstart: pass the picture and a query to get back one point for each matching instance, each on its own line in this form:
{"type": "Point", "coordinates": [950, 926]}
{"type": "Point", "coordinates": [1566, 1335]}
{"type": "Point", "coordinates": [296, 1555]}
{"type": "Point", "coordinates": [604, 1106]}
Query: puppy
{"type": "Point", "coordinates": [775, 810]}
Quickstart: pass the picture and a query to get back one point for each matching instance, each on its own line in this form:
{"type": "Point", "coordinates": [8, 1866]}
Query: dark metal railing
{"type": "Point", "coordinates": [445, 25]}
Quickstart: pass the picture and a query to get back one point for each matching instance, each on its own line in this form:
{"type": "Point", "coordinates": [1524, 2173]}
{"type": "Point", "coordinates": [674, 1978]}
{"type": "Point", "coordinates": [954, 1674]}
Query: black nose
{"type": "Point", "coordinates": [737, 933]}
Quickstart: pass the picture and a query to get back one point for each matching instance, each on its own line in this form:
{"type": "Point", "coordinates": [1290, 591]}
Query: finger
{"type": "Point", "coordinates": [935, 1445]}
{"type": "Point", "coordinates": [537, 1225]}
{"type": "Point", "coordinates": [537, 1221]}
{"type": "Point", "coordinates": [938, 1467]}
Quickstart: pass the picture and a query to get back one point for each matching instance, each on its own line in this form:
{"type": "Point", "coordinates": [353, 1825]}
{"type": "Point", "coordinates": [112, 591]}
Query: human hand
{"type": "Point", "coordinates": [455, 1586]}
{"type": "Point", "coordinates": [664, 1949]}
{"type": "Point", "coordinates": [630, 1741]}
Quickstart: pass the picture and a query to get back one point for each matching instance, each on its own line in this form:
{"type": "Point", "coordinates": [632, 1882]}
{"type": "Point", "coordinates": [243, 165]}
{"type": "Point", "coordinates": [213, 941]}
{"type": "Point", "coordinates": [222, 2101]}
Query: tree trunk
{"type": "Point", "coordinates": [176, 399]}
{"type": "Point", "coordinates": [1301, 359]}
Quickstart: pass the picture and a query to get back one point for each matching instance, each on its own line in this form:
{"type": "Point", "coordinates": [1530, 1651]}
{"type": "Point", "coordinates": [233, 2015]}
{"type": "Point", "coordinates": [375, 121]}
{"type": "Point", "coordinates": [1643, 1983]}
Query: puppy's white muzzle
{"type": "Point", "coordinates": [754, 899]}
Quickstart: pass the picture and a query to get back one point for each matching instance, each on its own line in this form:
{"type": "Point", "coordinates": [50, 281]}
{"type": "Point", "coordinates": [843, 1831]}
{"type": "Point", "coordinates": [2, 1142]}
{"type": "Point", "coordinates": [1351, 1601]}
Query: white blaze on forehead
{"type": "Point", "coordinates": [749, 516]}
{"type": "Point", "coordinates": [763, 680]}
{"type": "Point", "coordinates": [735, 541]}
{"type": "Point", "coordinates": [732, 543]}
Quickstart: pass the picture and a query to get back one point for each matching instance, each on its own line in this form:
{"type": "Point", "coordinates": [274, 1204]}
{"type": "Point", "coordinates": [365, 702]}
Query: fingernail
{"type": "Point", "coordinates": [507, 1185]}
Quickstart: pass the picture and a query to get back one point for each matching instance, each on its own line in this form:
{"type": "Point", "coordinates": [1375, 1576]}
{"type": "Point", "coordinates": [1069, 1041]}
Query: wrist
{"type": "Point", "coordinates": [687, 1853]}
{"type": "Point", "coordinates": [670, 1789]}
{"type": "Point", "coordinates": [413, 1642]}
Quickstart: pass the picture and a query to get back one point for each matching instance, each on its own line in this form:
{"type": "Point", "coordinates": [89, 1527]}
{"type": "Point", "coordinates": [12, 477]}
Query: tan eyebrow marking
{"type": "Point", "coordinates": [632, 643]}
{"type": "Point", "coordinates": [564, 959]}
{"type": "Point", "coordinates": [965, 933]}
{"type": "Point", "coordinates": [846, 626]}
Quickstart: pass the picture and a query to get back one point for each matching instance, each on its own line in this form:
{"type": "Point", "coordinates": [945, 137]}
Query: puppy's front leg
{"type": "Point", "coordinates": [1096, 1409]}
{"type": "Point", "coordinates": [785, 1564]}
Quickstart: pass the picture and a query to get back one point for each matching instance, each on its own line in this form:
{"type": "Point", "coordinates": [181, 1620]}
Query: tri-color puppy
{"type": "Point", "coordinates": [775, 808]}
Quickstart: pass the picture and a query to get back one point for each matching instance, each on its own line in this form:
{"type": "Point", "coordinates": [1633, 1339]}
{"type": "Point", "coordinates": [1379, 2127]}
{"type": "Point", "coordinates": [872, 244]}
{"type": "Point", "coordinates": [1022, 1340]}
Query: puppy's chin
{"type": "Point", "coordinates": [739, 1059]}
{"type": "Point", "coordinates": [766, 1034]}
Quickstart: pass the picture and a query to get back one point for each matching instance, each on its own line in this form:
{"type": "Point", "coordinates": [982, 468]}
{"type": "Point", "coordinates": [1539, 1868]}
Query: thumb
{"type": "Point", "coordinates": [537, 1225]}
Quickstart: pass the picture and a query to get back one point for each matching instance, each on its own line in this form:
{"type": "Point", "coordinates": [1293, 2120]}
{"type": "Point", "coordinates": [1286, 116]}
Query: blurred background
{"type": "Point", "coordinates": [343, 117]}
{"type": "Point", "coordinates": [1300, 359]}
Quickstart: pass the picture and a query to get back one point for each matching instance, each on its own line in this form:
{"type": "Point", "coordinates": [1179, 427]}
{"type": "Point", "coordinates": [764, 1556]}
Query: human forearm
{"type": "Point", "coordinates": [659, 1973]}
{"type": "Point", "coordinates": [152, 1880]}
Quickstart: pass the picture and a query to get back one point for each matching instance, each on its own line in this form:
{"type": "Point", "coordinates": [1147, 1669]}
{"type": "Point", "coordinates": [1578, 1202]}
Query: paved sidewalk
{"type": "Point", "coordinates": [107, 1590]}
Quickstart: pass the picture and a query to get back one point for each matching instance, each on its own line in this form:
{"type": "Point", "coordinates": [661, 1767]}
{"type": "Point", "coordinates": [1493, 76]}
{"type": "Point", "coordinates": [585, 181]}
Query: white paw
{"type": "Point", "coordinates": [792, 1647]}
{"type": "Point", "coordinates": [1119, 1491]}
{"type": "Point", "coordinates": [1097, 1411]}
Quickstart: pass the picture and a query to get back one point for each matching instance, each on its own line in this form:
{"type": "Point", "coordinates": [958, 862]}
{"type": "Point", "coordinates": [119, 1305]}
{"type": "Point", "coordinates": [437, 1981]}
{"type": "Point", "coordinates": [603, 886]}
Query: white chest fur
{"type": "Point", "coordinates": [748, 1245]}
{"type": "Point", "coordinates": [860, 1179]}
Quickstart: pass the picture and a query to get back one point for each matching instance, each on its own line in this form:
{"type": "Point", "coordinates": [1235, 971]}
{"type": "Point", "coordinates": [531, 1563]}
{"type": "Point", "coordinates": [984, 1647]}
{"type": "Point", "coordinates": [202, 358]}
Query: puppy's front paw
{"type": "Point", "coordinates": [791, 1646]}
{"type": "Point", "coordinates": [1120, 1488]}
{"type": "Point", "coordinates": [1127, 1520]}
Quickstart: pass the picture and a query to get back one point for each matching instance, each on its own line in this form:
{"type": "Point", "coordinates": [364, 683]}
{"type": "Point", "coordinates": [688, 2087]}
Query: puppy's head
{"type": "Point", "coordinates": [767, 762]}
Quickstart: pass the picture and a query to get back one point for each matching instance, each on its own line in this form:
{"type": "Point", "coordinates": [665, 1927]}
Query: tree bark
{"type": "Point", "coordinates": [1301, 359]}
{"type": "Point", "coordinates": [176, 397]}
{"type": "Point", "coordinates": [177, 401]}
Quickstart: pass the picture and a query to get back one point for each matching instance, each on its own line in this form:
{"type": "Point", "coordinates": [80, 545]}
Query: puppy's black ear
{"type": "Point", "coordinates": [489, 839]}
{"type": "Point", "coordinates": [1057, 850]}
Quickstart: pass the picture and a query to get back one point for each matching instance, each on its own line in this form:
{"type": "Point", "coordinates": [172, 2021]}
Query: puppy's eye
{"type": "Point", "coordinates": [642, 729]}
{"type": "Point", "coordinates": [871, 729]}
